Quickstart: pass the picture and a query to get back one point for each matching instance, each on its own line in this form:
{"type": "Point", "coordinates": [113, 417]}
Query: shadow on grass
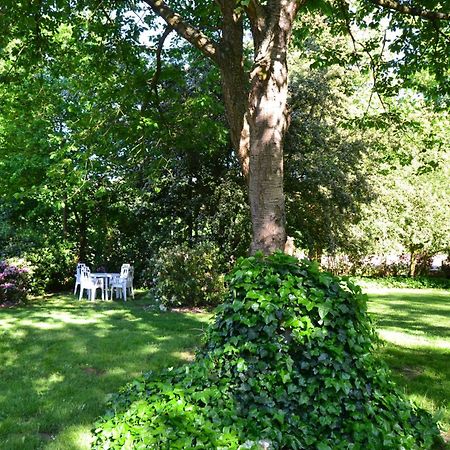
{"type": "Point", "coordinates": [416, 324]}
{"type": "Point", "coordinates": [422, 372]}
{"type": "Point", "coordinates": [413, 312]}
{"type": "Point", "coordinates": [59, 358]}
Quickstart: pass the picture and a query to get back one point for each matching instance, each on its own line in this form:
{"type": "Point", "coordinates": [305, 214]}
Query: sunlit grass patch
{"type": "Point", "coordinates": [415, 326]}
{"type": "Point", "coordinates": [60, 358]}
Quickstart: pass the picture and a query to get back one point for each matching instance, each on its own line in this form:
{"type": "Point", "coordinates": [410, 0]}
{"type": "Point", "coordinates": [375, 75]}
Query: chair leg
{"type": "Point", "coordinates": [81, 294]}
{"type": "Point", "coordinates": [124, 292]}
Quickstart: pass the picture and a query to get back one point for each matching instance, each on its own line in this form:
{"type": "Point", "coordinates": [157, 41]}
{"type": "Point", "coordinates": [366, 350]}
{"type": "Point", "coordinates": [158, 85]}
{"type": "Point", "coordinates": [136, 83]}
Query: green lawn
{"type": "Point", "coordinates": [415, 325]}
{"type": "Point", "coordinates": [59, 358]}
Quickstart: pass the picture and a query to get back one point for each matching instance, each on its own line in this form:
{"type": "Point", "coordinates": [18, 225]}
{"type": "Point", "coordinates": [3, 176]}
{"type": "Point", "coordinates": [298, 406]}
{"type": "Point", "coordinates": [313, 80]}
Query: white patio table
{"type": "Point", "coordinates": [105, 276]}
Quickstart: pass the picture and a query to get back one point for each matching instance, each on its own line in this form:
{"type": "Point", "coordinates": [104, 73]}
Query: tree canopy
{"type": "Point", "coordinates": [246, 40]}
{"type": "Point", "coordinates": [118, 137]}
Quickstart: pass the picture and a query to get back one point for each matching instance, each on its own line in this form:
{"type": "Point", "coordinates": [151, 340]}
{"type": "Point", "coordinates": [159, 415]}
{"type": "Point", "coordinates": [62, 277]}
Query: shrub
{"type": "Point", "coordinates": [412, 283]}
{"type": "Point", "coordinates": [14, 282]}
{"type": "Point", "coordinates": [288, 364]}
{"type": "Point", "coordinates": [188, 276]}
{"type": "Point", "coordinates": [53, 268]}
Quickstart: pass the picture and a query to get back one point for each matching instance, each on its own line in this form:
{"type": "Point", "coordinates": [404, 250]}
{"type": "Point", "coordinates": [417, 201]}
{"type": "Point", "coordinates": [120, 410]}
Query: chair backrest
{"type": "Point", "coordinates": [78, 273]}
{"type": "Point", "coordinates": [85, 272]}
{"type": "Point", "coordinates": [130, 274]}
{"type": "Point", "coordinates": [124, 270]}
{"type": "Point", "coordinates": [130, 277]}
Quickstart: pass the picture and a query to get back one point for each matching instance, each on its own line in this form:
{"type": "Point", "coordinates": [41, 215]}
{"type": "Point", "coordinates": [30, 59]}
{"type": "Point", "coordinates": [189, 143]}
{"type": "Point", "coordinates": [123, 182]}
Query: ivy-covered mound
{"type": "Point", "coordinates": [288, 364]}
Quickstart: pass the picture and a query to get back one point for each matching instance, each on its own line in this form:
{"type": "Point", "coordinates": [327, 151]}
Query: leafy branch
{"type": "Point", "coordinates": [412, 10]}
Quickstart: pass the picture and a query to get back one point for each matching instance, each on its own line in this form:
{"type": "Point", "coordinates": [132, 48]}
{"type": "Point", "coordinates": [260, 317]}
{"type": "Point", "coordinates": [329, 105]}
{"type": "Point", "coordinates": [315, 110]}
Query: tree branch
{"type": "Point", "coordinates": [373, 65]}
{"type": "Point", "coordinates": [258, 17]}
{"type": "Point", "coordinates": [188, 32]}
{"type": "Point", "coordinates": [412, 10]}
{"type": "Point", "coordinates": [234, 79]}
{"type": "Point", "coordinates": [437, 27]}
{"type": "Point", "coordinates": [153, 83]}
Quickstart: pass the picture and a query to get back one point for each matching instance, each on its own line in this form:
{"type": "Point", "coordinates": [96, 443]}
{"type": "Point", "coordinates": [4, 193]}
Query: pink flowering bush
{"type": "Point", "coordinates": [13, 283]}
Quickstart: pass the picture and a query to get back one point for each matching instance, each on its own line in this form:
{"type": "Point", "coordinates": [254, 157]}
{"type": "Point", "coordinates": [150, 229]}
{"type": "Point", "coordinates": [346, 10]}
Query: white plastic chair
{"type": "Point", "coordinates": [77, 277]}
{"type": "Point", "coordinates": [130, 278]}
{"type": "Point", "coordinates": [90, 284]}
{"type": "Point", "coordinates": [123, 283]}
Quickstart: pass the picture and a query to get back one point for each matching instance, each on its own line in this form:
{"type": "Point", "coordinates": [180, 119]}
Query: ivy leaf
{"type": "Point", "coordinates": [323, 309]}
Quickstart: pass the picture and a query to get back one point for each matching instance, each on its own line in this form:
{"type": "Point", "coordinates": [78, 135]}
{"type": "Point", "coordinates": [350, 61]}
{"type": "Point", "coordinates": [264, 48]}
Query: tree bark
{"type": "Point", "coordinates": [234, 81]}
{"type": "Point", "coordinates": [412, 265]}
{"type": "Point", "coordinates": [268, 122]}
{"type": "Point", "coordinates": [267, 127]}
{"type": "Point", "coordinates": [255, 105]}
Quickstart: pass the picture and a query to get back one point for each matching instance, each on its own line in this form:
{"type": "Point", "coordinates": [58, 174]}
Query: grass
{"type": "Point", "coordinates": [59, 359]}
{"type": "Point", "coordinates": [415, 326]}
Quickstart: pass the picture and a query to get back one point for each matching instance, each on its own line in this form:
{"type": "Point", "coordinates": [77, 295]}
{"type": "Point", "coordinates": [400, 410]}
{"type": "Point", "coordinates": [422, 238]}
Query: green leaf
{"type": "Point", "coordinates": [323, 309]}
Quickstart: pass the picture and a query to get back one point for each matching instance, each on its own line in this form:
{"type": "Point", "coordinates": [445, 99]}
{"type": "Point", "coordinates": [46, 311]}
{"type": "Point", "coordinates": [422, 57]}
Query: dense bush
{"type": "Point", "coordinates": [52, 268]}
{"type": "Point", "coordinates": [188, 276]}
{"type": "Point", "coordinates": [288, 364]}
{"type": "Point", "coordinates": [14, 282]}
{"type": "Point", "coordinates": [408, 282]}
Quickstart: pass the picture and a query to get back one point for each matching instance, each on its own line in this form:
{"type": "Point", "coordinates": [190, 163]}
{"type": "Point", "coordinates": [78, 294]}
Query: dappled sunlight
{"type": "Point", "coordinates": [54, 378]}
{"type": "Point", "coordinates": [44, 325]}
{"type": "Point", "coordinates": [185, 356]}
{"type": "Point", "coordinates": [402, 291]}
{"type": "Point", "coordinates": [8, 323]}
{"type": "Point", "coordinates": [427, 403]}
{"type": "Point", "coordinates": [67, 317]}
{"type": "Point", "coordinates": [7, 359]}
{"type": "Point", "coordinates": [73, 438]}
{"type": "Point", "coordinates": [415, 327]}
{"type": "Point", "coordinates": [411, 341]}
{"type": "Point", "coordinates": [59, 359]}
{"type": "Point", "coordinates": [42, 385]}
{"type": "Point", "coordinates": [16, 333]}
{"type": "Point", "coordinates": [413, 317]}
{"type": "Point", "coordinates": [118, 371]}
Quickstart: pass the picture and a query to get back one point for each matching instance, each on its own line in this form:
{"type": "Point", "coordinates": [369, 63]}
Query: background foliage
{"type": "Point", "coordinates": [112, 151]}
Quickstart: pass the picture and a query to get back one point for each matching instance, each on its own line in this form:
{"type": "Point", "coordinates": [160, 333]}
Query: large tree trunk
{"type": "Point", "coordinates": [256, 106]}
{"type": "Point", "coordinates": [268, 122]}
{"type": "Point", "coordinates": [267, 128]}
{"type": "Point", "coordinates": [259, 119]}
